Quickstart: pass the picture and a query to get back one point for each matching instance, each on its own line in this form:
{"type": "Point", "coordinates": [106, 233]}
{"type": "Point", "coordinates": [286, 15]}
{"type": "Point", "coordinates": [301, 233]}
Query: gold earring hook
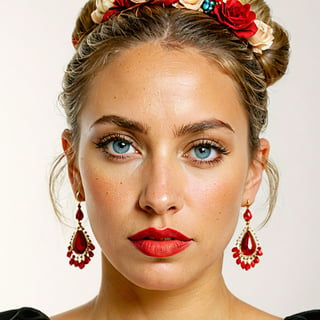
{"type": "Point", "coordinates": [78, 196]}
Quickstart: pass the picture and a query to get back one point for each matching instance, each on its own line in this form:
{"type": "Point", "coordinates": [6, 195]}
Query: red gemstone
{"type": "Point", "coordinates": [248, 245]}
{"type": "Point", "coordinates": [79, 214]}
{"type": "Point", "coordinates": [247, 215]}
{"type": "Point", "coordinates": [259, 252]}
{"type": "Point", "coordinates": [238, 261]}
{"type": "Point", "coordinates": [79, 242]}
{"type": "Point", "coordinates": [236, 254]}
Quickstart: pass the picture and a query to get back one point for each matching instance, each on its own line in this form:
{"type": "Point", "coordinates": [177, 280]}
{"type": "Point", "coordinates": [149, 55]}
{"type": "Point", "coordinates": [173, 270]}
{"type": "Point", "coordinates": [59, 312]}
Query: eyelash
{"type": "Point", "coordinates": [216, 146]}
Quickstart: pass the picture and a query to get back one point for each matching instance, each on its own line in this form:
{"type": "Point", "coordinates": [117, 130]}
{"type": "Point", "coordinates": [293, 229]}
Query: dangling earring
{"type": "Point", "coordinates": [80, 247]}
{"type": "Point", "coordinates": [247, 249]}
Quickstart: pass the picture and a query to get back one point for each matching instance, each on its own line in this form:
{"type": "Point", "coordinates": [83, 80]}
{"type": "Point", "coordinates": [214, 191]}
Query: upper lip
{"type": "Point", "coordinates": [159, 234]}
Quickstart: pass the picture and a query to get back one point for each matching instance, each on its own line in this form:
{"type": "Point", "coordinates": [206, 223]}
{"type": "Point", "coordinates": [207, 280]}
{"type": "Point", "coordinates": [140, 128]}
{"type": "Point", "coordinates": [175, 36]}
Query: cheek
{"type": "Point", "coordinates": [219, 190]}
{"type": "Point", "coordinates": [216, 201]}
{"type": "Point", "coordinates": [109, 198]}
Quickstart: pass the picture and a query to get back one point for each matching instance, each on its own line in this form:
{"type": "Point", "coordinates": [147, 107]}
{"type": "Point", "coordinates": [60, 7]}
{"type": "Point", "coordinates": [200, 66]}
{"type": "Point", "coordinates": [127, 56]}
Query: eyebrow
{"type": "Point", "coordinates": [183, 130]}
{"type": "Point", "coordinates": [122, 123]}
{"type": "Point", "coordinates": [202, 126]}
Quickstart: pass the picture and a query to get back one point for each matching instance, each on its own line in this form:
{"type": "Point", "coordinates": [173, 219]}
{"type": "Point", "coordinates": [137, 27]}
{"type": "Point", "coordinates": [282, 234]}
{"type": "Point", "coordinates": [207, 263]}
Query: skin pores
{"type": "Point", "coordinates": [163, 144]}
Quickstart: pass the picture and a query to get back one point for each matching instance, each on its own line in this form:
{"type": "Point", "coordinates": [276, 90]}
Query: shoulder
{"type": "Point", "coordinates": [23, 314]}
{"type": "Point", "coordinates": [307, 315]}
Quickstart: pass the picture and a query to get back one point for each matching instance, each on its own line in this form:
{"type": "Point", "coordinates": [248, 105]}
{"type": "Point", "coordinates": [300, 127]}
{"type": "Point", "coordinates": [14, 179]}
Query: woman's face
{"type": "Point", "coordinates": [163, 144]}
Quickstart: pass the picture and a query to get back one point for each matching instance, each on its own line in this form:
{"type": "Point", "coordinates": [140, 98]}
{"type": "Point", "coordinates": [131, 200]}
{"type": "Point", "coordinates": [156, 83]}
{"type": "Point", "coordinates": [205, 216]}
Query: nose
{"type": "Point", "coordinates": [162, 189]}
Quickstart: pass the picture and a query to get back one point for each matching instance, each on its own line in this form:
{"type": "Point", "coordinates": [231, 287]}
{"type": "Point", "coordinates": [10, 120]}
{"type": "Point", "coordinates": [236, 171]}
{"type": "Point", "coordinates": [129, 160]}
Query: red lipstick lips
{"type": "Point", "coordinates": [160, 243]}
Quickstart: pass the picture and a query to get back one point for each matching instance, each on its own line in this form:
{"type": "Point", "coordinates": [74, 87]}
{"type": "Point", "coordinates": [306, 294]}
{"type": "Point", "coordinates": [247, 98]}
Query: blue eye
{"type": "Point", "coordinates": [204, 152]}
{"type": "Point", "coordinates": [116, 147]}
{"type": "Point", "coordinates": [119, 146]}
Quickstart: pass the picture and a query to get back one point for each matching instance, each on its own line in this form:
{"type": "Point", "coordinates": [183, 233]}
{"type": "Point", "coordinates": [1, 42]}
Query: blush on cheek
{"type": "Point", "coordinates": [217, 202]}
{"type": "Point", "coordinates": [106, 197]}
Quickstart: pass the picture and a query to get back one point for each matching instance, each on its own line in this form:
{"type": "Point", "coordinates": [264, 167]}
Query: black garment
{"type": "Point", "coordinates": [307, 315]}
{"type": "Point", "coordinates": [23, 314]}
{"type": "Point", "coordinates": [32, 314]}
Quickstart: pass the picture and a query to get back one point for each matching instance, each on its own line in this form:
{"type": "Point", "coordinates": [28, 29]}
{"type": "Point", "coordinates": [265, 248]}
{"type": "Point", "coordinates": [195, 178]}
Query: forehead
{"type": "Point", "coordinates": [150, 83]}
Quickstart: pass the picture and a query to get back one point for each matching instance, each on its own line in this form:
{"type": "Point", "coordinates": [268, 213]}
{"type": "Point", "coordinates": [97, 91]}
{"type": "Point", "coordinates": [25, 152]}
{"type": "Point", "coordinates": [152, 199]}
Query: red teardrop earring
{"type": "Point", "coordinates": [247, 249]}
{"type": "Point", "coordinates": [80, 250]}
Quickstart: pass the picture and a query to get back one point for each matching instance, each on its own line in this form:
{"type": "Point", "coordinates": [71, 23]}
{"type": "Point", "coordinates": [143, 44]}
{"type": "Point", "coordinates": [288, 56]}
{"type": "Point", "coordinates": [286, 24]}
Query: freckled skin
{"type": "Point", "coordinates": [175, 92]}
{"type": "Point", "coordinates": [159, 186]}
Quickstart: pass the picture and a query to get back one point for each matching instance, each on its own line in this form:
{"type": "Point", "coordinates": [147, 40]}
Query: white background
{"type": "Point", "coordinates": [35, 48]}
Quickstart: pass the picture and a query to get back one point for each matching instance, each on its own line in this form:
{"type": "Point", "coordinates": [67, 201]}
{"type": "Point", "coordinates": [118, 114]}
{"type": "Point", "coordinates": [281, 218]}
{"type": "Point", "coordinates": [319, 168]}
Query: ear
{"type": "Point", "coordinates": [73, 170]}
{"type": "Point", "coordinates": [255, 172]}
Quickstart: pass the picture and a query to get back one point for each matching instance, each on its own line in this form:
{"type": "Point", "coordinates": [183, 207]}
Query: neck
{"type": "Point", "coordinates": [205, 298]}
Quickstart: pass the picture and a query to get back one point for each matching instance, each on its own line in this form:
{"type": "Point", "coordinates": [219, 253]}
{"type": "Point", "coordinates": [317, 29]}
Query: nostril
{"type": "Point", "coordinates": [148, 208]}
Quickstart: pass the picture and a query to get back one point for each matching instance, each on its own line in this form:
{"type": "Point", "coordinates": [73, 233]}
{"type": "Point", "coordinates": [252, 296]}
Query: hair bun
{"type": "Point", "coordinates": [274, 61]}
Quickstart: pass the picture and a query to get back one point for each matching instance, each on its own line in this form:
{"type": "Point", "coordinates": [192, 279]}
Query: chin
{"type": "Point", "coordinates": [159, 284]}
{"type": "Point", "coordinates": [160, 276]}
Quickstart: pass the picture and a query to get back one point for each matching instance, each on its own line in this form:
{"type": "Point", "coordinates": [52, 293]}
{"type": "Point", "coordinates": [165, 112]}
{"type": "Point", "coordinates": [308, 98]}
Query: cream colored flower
{"type": "Point", "coordinates": [263, 38]}
{"type": "Point", "coordinates": [139, 1]}
{"type": "Point", "coordinates": [102, 7]}
{"type": "Point", "coordinates": [191, 4]}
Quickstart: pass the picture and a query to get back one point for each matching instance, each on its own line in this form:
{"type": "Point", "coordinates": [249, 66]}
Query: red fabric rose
{"type": "Point", "coordinates": [119, 5]}
{"type": "Point", "coordinates": [238, 17]}
{"type": "Point", "coordinates": [122, 5]}
{"type": "Point", "coordinates": [166, 3]}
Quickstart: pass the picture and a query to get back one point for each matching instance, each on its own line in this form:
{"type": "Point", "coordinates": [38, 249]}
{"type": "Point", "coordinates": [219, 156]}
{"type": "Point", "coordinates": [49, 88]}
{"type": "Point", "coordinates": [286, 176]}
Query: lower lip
{"type": "Point", "coordinates": [161, 249]}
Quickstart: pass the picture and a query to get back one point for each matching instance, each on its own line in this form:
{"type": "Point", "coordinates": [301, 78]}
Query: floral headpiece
{"type": "Point", "coordinates": [232, 13]}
